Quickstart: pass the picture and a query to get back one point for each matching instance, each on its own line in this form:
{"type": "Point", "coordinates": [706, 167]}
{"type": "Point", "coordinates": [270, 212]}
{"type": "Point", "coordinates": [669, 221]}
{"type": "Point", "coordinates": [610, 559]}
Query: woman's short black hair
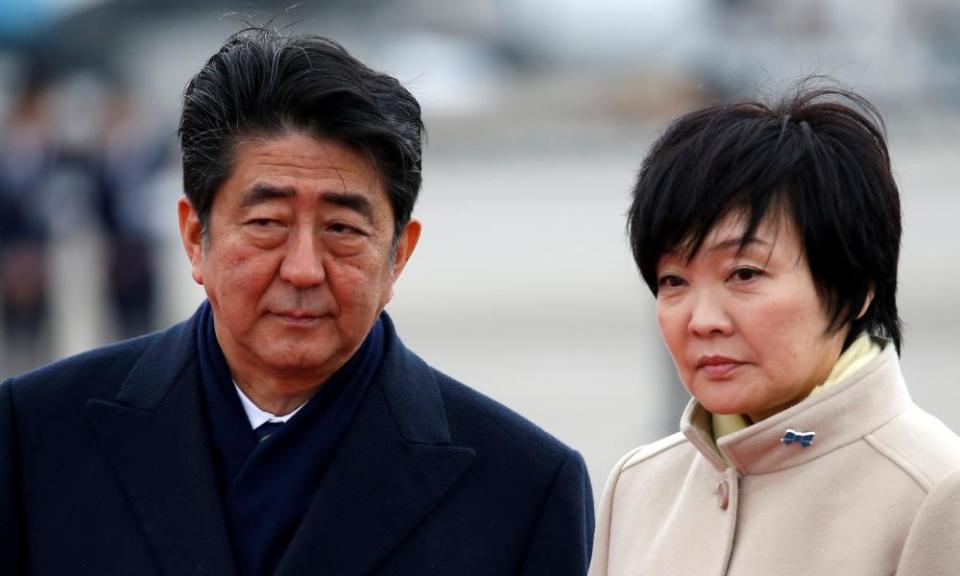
{"type": "Point", "coordinates": [262, 83]}
{"type": "Point", "coordinates": [819, 154]}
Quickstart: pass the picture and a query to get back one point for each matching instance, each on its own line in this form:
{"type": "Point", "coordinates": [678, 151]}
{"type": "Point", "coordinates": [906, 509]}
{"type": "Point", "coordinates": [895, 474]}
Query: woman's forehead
{"type": "Point", "coordinates": [731, 233]}
{"type": "Point", "coordinates": [734, 227]}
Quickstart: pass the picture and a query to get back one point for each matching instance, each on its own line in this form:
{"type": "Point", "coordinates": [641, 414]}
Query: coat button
{"type": "Point", "coordinates": [723, 495]}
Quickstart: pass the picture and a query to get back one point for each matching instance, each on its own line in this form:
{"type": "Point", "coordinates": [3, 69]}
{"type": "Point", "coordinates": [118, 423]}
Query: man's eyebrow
{"type": "Point", "coordinates": [265, 192]}
{"type": "Point", "coordinates": [352, 201]}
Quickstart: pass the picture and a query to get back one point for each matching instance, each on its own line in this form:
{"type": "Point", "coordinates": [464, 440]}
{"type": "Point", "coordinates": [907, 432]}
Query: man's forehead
{"type": "Point", "coordinates": [294, 164]}
{"type": "Point", "coordinates": [294, 154]}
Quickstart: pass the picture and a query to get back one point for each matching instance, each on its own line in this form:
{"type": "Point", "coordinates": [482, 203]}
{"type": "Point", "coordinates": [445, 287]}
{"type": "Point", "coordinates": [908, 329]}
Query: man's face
{"type": "Point", "coordinates": [297, 262]}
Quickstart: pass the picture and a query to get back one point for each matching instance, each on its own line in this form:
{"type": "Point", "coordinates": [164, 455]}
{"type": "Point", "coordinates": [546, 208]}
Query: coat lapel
{"type": "Point", "coordinates": [394, 465]}
{"type": "Point", "coordinates": [155, 437]}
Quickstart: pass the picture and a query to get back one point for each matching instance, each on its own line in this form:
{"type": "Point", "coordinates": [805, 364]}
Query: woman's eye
{"type": "Point", "coordinates": [745, 274]}
{"type": "Point", "coordinates": [669, 281]}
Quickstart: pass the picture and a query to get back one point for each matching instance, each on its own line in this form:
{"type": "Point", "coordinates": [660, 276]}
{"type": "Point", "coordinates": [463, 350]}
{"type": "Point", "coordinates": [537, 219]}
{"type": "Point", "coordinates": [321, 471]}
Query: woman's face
{"type": "Point", "coordinates": [747, 330]}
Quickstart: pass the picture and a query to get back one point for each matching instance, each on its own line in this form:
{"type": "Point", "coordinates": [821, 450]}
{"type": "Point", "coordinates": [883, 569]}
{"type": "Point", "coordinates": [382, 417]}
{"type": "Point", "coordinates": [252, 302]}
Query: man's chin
{"type": "Point", "coordinates": [295, 350]}
{"type": "Point", "coordinates": [299, 364]}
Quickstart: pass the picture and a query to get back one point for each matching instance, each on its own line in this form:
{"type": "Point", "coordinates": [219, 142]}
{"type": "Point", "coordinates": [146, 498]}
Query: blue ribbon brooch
{"type": "Point", "coordinates": [804, 439]}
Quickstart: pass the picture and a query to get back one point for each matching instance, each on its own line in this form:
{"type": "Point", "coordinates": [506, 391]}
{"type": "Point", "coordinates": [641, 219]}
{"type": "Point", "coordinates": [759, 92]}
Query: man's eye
{"type": "Point", "coordinates": [342, 229]}
{"type": "Point", "coordinates": [262, 222]}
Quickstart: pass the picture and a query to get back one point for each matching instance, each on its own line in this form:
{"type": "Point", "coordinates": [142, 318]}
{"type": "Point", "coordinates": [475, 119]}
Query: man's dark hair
{"type": "Point", "coordinates": [820, 156]}
{"type": "Point", "coordinates": [264, 84]}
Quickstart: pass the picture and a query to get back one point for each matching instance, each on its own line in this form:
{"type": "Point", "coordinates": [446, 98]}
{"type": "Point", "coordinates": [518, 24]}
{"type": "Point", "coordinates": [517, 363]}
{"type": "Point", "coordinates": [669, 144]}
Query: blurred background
{"type": "Point", "coordinates": [538, 112]}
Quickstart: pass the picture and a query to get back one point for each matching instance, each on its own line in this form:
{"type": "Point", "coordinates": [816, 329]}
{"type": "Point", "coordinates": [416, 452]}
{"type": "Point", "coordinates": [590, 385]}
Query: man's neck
{"type": "Point", "coordinates": [256, 416]}
{"type": "Point", "coordinates": [278, 400]}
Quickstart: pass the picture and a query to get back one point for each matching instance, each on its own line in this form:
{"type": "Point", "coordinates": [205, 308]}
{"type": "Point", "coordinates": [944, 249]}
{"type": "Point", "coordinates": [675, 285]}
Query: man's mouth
{"type": "Point", "coordinates": [298, 316]}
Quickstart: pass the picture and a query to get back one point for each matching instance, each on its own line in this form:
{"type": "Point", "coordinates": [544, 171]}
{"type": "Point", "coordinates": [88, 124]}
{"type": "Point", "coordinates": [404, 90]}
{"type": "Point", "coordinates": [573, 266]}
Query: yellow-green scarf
{"type": "Point", "coordinates": [861, 351]}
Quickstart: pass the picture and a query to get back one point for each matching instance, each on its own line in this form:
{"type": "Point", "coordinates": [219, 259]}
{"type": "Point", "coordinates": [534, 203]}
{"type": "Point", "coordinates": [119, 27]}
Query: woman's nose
{"type": "Point", "coordinates": [709, 315]}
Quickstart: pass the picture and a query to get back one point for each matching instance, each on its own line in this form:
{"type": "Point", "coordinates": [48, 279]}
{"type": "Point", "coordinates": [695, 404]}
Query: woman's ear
{"type": "Point", "coordinates": [866, 304]}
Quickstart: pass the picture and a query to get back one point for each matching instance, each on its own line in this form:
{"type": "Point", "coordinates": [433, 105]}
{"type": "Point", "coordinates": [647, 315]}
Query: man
{"type": "Point", "coordinates": [284, 428]}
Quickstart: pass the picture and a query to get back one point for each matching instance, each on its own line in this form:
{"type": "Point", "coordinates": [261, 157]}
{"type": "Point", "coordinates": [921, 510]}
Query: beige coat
{"type": "Point", "coordinates": [870, 496]}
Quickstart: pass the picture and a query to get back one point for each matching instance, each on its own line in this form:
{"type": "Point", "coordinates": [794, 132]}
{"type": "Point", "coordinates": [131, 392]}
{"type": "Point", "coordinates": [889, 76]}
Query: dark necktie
{"type": "Point", "coordinates": [266, 429]}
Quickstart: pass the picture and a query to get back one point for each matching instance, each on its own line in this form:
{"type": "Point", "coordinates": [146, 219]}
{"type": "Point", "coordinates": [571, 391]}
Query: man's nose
{"type": "Point", "coordinates": [709, 315]}
{"type": "Point", "coordinates": [303, 262]}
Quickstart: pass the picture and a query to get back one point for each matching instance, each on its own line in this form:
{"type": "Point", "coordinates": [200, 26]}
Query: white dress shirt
{"type": "Point", "coordinates": [256, 416]}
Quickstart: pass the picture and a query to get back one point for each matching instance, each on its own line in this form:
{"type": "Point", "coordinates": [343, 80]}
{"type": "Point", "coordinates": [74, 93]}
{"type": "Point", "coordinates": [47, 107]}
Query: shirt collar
{"type": "Point", "coordinates": [256, 416]}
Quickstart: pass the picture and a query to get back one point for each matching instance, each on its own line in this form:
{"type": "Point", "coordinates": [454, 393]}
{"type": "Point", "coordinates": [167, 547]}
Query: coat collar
{"type": "Point", "coordinates": [156, 440]}
{"type": "Point", "coordinates": [839, 416]}
{"type": "Point", "coordinates": [394, 464]}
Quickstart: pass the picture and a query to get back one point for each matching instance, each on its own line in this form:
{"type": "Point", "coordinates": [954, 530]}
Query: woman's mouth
{"type": "Point", "coordinates": [717, 366]}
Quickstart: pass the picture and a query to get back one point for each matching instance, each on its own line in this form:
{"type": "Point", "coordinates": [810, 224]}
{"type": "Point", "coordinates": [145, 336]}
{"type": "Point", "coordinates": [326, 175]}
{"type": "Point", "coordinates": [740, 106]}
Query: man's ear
{"type": "Point", "coordinates": [191, 233]}
{"type": "Point", "coordinates": [405, 246]}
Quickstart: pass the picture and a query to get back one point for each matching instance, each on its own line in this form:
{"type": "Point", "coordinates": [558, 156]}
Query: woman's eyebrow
{"type": "Point", "coordinates": [739, 242]}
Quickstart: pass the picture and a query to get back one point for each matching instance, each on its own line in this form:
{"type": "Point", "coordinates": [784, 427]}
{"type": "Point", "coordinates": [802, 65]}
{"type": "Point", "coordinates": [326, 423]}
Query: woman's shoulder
{"type": "Point", "coordinates": [653, 462]}
{"type": "Point", "coordinates": [645, 452]}
{"type": "Point", "coordinates": [932, 547]}
{"type": "Point", "coordinates": [920, 445]}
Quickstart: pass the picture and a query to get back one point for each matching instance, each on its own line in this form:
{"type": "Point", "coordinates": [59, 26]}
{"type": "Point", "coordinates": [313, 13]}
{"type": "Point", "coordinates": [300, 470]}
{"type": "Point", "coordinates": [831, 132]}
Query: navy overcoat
{"type": "Point", "coordinates": [106, 469]}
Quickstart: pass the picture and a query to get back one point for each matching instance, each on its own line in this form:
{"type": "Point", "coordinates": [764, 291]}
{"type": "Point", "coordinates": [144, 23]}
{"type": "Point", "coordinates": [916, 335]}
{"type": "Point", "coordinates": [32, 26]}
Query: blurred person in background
{"type": "Point", "coordinates": [770, 236]}
{"type": "Point", "coordinates": [130, 156]}
{"type": "Point", "coordinates": [284, 428]}
{"type": "Point", "coordinates": [28, 155]}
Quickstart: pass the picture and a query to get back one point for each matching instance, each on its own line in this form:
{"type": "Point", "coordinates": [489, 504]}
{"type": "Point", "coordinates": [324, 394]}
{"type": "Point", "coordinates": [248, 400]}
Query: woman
{"type": "Point", "coordinates": [770, 236]}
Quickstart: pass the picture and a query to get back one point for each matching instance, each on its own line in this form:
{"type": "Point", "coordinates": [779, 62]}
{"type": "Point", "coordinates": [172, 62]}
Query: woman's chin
{"type": "Point", "coordinates": [723, 404]}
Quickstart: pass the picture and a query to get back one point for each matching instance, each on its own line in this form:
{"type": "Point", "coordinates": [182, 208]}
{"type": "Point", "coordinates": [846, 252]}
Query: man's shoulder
{"type": "Point", "coordinates": [475, 418]}
{"type": "Point", "coordinates": [99, 372]}
{"type": "Point", "coordinates": [92, 363]}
